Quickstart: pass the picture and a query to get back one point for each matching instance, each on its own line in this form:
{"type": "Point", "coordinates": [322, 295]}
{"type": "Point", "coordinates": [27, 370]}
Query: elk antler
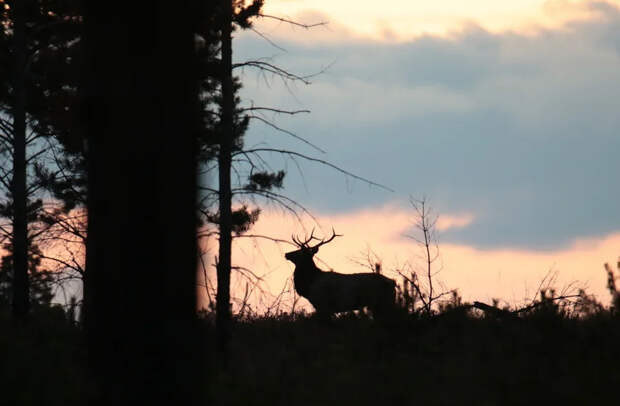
{"type": "Point", "coordinates": [305, 243]}
{"type": "Point", "coordinates": [323, 241]}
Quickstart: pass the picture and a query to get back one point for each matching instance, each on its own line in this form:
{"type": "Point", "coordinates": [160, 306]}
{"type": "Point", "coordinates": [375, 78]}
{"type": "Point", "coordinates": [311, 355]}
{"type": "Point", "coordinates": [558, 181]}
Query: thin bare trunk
{"type": "Point", "coordinates": [223, 315]}
{"type": "Point", "coordinates": [429, 261]}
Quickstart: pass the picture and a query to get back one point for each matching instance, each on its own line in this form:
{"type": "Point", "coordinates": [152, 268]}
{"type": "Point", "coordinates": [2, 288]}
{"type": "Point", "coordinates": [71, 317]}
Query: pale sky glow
{"type": "Point", "coordinates": [402, 19]}
{"type": "Point", "coordinates": [512, 276]}
{"type": "Point", "coordinates": [504, 114]}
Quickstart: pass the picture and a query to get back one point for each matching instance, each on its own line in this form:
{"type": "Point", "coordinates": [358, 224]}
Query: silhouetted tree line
{"type": "Point", "coordinates": [37, 42]}
{"type": "Point", "coordinates": [109, 108]}
{"type": "Point", "coordinates": [108, 116]}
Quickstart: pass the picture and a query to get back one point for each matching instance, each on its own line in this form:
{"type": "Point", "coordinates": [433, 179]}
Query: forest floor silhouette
{"type": "Point", "coordinates": [448, 359]}
{"type": "Point", "coordinates": [459, 356]}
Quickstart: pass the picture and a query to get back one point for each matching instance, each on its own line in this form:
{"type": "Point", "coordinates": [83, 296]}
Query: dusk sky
{"type": "Point", "coordinates": [503, 114]}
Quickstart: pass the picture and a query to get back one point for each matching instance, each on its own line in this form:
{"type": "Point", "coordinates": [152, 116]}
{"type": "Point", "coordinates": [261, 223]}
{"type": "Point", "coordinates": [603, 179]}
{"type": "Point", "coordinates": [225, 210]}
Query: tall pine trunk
{"type": "Point", "coordinates": [223, 311]}
{"type": "Point", "coordinates": [21, 288]}
{"type": "Point", "coordinates": [141, 121]}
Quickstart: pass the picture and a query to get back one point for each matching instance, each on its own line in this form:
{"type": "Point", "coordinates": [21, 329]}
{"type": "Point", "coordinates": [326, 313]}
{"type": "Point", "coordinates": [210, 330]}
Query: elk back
{"type": "Point", "coordinates": [334, 292]}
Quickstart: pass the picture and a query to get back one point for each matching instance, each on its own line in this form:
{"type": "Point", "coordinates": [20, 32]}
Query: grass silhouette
{"type": "Point", "coordinates": [550, 354]}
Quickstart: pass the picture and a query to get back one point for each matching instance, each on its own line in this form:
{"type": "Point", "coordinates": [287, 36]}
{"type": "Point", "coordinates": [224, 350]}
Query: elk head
{"type": "Point", "coordinates": [305, 252]}
{"type": "Point", "coordinates": [306, 272]}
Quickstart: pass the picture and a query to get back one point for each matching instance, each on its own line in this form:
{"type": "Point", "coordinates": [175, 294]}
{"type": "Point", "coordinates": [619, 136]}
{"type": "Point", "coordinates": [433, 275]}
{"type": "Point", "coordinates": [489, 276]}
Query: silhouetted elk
{"type": "Point", "coordinates": [332, 292]}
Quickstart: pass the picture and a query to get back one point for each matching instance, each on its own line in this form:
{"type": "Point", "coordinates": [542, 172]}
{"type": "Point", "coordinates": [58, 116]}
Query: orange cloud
{"type": "Point", "coordinates": [404, 19]}
{"type": "Point", "coordinates": [508, 274]}
{"type": "Point", "coordinates": [456, 221]}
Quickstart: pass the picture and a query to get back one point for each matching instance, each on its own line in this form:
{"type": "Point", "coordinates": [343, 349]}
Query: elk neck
{"type": "Point", "coordinates": [305, 274]}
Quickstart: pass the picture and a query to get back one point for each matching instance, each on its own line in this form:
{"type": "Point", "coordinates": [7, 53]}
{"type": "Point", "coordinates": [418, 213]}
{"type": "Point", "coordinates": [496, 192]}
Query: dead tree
{"type": "Point", "coordinates": [419, 283]}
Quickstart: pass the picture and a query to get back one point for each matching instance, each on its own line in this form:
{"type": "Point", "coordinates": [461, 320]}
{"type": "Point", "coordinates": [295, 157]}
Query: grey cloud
{"type": "Point", "coordinates": [521, 131]}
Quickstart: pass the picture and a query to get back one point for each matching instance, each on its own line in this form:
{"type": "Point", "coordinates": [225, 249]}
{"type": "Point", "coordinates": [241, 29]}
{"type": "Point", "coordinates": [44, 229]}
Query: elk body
{"type": "Point", "coordinates": [332, 292]}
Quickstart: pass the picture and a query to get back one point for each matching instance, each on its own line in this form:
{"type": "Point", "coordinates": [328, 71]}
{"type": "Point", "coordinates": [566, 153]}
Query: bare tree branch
{"type": "Point", "coordinates": [6, 125]}
{"type": "Point", "coordinates": [243, 269]}
{"type": "Point", "coordinates": [321, 161]}
{"type": "Point", "coordinates": [266, 237]}
{"type": "Point", "coordinates": [276, 70]}
{"type": "Point", "coordinates": [290, 112]}
{"type": "Point", "coordinates": [75, 267]}
{"type": "Point", "coordinates": [35, 155]}
{"type": "Point", "coordinates": [4, 178]}
{"type": "Point", "coordinates": [297, 137]}
{"type": "Point", "coordinates": [291, 22]}
{"type": "Point", "coordinates": [266, 38]}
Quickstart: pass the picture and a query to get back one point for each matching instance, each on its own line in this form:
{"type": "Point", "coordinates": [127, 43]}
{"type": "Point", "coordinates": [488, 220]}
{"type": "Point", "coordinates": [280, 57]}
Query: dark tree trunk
{"type": "Point", "coordinates": [140, 95]}
{"type": "Point", "coordinates": [21, 289]}
{"type": "Point", "coordinates": [223, 312]}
